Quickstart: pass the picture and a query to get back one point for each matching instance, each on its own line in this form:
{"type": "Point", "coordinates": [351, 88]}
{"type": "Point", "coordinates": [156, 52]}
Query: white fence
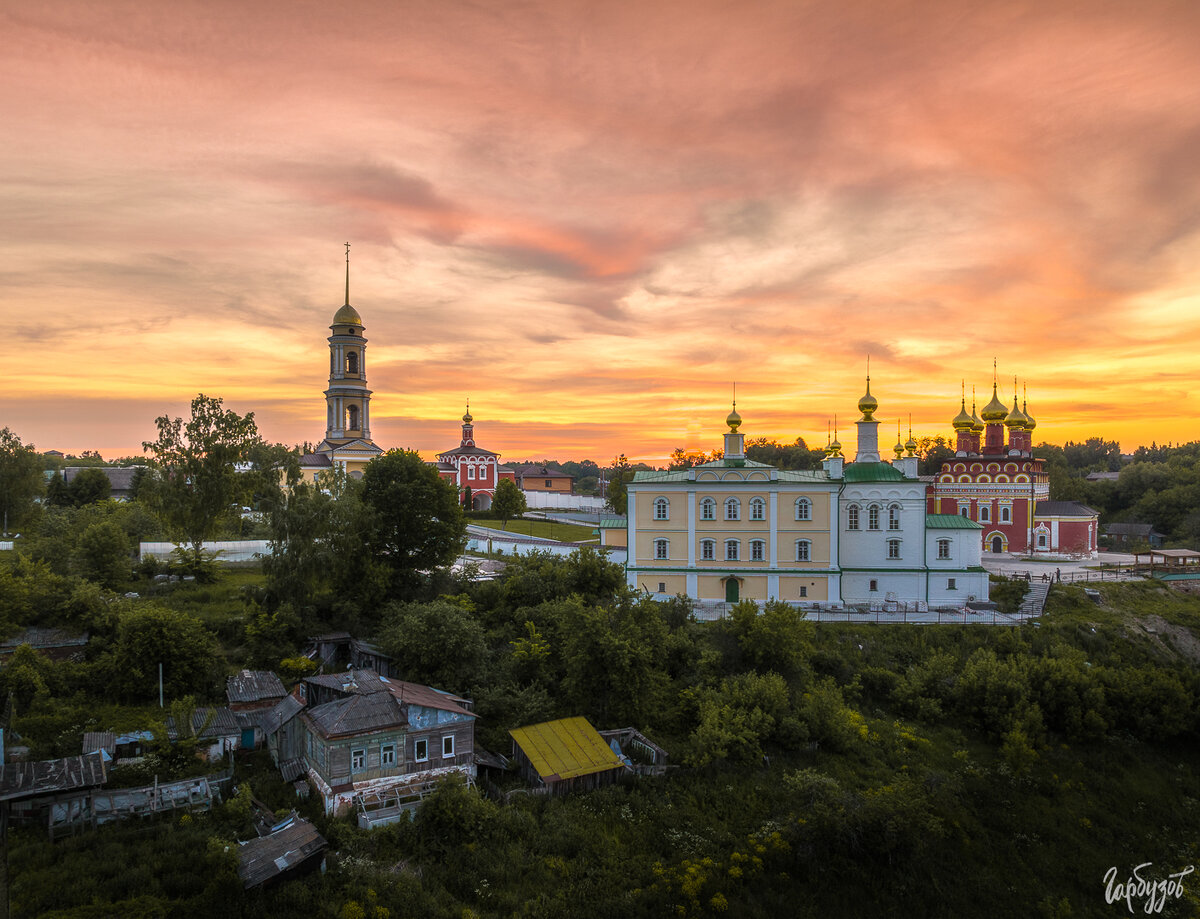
{"type": "Point", "coordinates": [238, 550]}
{"type": "Point", "coordinates": [540, 500]}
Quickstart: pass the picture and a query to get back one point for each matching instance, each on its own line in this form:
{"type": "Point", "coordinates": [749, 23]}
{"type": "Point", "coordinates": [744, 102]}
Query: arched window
{"type": "Point", "coordinates": [662, 548]}
{"type": "Point", "coordinates": [352, 418]}
{"type": "Point", "coordinates": [662, 509]}
{"type": "Point", "coordinates": [894, 517]}
{"type": "Point", "coordinates": [352, 362]}
{"type": "Point", "coordinates": [733, 509]}
{"type": "Point", "coordinates": [873, 517]}
{"type": "Point", "coordinates": [803, 509]}
{"type": "Point", "coordinates": [758, 509]}
{"type": "Point", "coordinates": [757, 550]}
{"type": "Point", "coordinates": [1005, 514]}
{"type": "Point", "coordinates": [708, 509]}
{"type": "Point", "coordinates": [852, 517]}
{"type": "Point", "coordinates": [803, 550]}
{"type": "Point", "coordinates": [943, 548]}
{"type": "Point", "coordinates": [893, 548]}
{"type": "Point", "coordinates": [732, 553]}
{"type": "Point", "coordinates": [985, 514]}
{"type": "Point", "coordinates": [708, 549]}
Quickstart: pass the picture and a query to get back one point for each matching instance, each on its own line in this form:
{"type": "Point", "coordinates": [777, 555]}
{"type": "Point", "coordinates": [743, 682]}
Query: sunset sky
{"type": "Point", "coordinates": [592, 218]}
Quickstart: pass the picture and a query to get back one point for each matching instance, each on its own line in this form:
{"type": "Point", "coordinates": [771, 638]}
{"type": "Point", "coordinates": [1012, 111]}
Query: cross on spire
{"type": "Point", "coordinates": [347, 274]}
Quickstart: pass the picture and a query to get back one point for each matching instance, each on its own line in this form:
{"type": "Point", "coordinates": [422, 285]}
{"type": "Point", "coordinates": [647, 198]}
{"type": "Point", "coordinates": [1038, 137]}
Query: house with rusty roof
{"type": "Point", "coordinates": [370, 740]}
{"type": "Point", "coordinates": [292, 847]}
{"type": "Point", "coordinates": [565, 755]}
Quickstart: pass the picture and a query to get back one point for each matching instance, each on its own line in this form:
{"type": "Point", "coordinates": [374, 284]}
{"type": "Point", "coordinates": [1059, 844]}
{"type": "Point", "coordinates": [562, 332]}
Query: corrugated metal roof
{"type": "Point", "coordinates": [565, 748]}
{"type": "Point", "coordinates": [357, 715]}
{"type": "Point", "coordinates": [1062, 509]}
{"type": "Point", "coordinates": [254, 686]}
{"type": "Point", "coordinates": [259, 860]}
{"type": "Point", "coordinates": [363, 682]}
{"type": "Point", "coordinates": [27, 780]}
{"type": "Point", "coordinates": [872, 472]}
{"type": "Point", "coordinates": [950, 522]}
{"type": "Point", "coordinates": [614, 523]}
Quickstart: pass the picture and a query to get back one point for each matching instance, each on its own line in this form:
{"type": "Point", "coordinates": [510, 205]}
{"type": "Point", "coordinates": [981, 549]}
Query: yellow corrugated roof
{"type": "Point", "coordinates": [565, 748]}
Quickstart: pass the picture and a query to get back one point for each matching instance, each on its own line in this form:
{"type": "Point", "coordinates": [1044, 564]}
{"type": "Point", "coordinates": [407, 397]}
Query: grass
{"type": "Point", "coordinates": [563, 532]}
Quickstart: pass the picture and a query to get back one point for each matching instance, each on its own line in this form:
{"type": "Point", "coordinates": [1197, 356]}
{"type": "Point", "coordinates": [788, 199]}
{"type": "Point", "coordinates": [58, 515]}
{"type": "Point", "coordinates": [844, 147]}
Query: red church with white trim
{"type": "Point", "coordinates": [1005, 489]}
{"type": "Point", "coordinates": [472, 467]}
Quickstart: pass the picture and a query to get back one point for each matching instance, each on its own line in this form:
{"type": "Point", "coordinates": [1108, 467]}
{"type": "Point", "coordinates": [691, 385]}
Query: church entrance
{"type": "Point", "coordinates": [731, 590]}
{"type": "Point", "coordinates": [997, 544]}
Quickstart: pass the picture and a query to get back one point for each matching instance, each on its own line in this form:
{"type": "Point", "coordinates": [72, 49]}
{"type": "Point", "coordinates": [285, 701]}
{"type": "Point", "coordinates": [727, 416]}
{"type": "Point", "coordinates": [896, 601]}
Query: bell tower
{"type": "Point", "coordinates": [347, 400]}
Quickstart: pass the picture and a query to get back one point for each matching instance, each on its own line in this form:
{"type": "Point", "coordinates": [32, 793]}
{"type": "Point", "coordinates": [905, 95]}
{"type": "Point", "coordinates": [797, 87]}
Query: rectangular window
{"type": "Point", "coordinates": [852, 518]}
{"type": "Point", "coordinates": [708, 509]}
{"type": "Point", "coordinates": [893, 548]}
{"type": "Point", "coordinates": [448, 746]}
{"type": "Point", "coordinates": [951, 584]}
{"type": "Point", "coordinates": [874, 585]}
{"type": "Point", "coordinates": [757, 510]}
{"type": "Point", "coordinates": [731, 551]}
{"type": "Point", "coordinates": [662, 587]}
{"type": "Point", "coordinates": [943, 548]}
{"type": "Point", "coordinates": [470, 472]}
{"type": "Point", "coordinates": [387, 754]}
{"type": "Point", "coordinates": [661, 549]}
{"type": "Point", "coordinates": [708, 550]}
{"type": "Point", "coordinates": [803, 590]}
{"type": "Point", "coordinates": [547, 483]}
{"type": "Point", "coordinates": [421, 751]}
{"type": "Point", "coordinates": [873, 518]}
{"type": "Point", "coordinates": [756, 551]}
{"type": "Point", "coordinates": [358, 759]}
{"type": "Point", "coordinates": [893, 518]}
{"type": "Point", "coordinates": [803, 550]}
{"type": "Point", "coordinates": [1006, 515]}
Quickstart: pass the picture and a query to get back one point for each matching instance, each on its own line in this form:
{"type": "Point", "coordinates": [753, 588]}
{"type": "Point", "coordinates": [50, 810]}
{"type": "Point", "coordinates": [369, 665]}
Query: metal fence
{"type": "Point", "coordinates": [895, 614]}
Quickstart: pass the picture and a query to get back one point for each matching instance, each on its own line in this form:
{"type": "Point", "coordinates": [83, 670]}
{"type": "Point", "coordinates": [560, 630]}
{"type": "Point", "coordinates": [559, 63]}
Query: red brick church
{"type": "Point", "coordinates": [472, 467]}
{"type": "Point", "coordinates": [1003, 487]}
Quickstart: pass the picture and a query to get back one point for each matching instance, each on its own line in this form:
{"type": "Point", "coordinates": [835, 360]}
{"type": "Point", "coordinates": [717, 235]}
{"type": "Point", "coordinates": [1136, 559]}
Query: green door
{"type": "Point", "coordinates": [731, 590]}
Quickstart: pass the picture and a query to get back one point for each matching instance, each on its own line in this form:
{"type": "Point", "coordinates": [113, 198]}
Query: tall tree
{"type": "Point", "coordinates": [508, 502]}
{"type": "Point", "coordinates": [619, 477]}
{"type": "Point", "coordinates": [21, 478]}
{"type": "Point", "coordinates": [198, 479]}
{"type": "Point", "coordinates": [415, 521]}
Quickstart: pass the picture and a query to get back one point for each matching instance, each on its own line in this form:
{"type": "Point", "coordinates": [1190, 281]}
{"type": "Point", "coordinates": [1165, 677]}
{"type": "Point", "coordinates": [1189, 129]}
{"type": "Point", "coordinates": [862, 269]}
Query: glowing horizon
{"type": "Point", "coordinates": [594, 221]}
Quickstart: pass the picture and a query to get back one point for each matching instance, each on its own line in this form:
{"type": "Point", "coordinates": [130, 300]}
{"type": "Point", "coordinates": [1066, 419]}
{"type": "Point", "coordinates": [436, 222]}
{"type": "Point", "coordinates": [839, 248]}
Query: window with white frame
{"type": "Point", "coordinates": [358, 759]}
{"type": "Point", "coordinates": [758, 509]}
{"type": "Point", "coordinates": [387, 754]}
{"type": "Point", "coordinates": [1005, 514]}
{"type": "Point", "coordinates": [965, 510]}
{"type": "Point", "coordinates": [447, 746]}
{"type": "Point", "coordinates": [985, 513]}
{"type": "Point", "coordinates": [873, 517]}
{"type": "Point", "coordinates": [803, 509]}
{"type": "Point", "coordinates": [1041, 540]}
{"type": "Point", "coordinates": [943, 548]}
{"type": "Point", "coordinates": [662, 548]}
{"type": "Point", "coordinates": [421, 751]}
{"type": "Point", "coordinates": [662, 509]}
{"type": "Point", "coordinates": [708, 549]}
{"type": "Point", "coordinates": [803, 550]}
{"type": "Point", "coordinates": [708, 509]}
{"type": "Point", "coordinates": [893, 548]}
{"type": "Point", "coordinates": [731, 550]}
{"type": "Point", "coordinates": [757, 550]}
{"type": "Point", "coordinates": [894, 517]}
{"type": "Point", "coordinates": [852, 517]}
{"type": "Point", "coordinates": [733, 509]}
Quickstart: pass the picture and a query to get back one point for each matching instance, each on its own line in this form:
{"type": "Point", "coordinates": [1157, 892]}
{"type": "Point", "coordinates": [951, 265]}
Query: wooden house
{"type": "Point", "coordinates": [565, 755]}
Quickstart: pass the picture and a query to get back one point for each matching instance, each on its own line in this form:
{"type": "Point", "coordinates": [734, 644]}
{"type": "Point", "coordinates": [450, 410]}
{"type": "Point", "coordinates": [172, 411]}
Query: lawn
{"type": "Point", "coordinates": [564, 532]}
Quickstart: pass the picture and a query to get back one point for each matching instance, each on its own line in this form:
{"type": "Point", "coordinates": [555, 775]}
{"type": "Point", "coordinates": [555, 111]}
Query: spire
{"type": "Point", "coordinates": [347, 274]}
{"type": "Point", "coordinates": [735, 443]}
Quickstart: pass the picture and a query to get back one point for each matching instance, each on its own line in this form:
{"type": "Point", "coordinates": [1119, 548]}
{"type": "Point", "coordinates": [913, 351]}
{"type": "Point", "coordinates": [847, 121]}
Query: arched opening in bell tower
{"type": "Point", "coordinates": [352, 418]}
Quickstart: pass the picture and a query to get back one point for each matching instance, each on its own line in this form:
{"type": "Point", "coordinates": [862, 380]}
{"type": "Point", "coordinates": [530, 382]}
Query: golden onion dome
{"type": "Point", "coordinates": [898, 449]}
{"type": "Point", "coordinates": [733, 419]}
{"type": "Point", "coordinates": [962, 421]}
{"type": "Point", "coordinates": [994, 410]}
{"type": "Point", "coordinates": [347, 315]}
{"type": "Point", "coordinates": [835, 448]}
{"type": "Point", "coordinates": [976, 424]}
{"type": "Point", "coordinates": [1016, 419]}
{"type": "Point", "coordinates": [1030, 424]}
{"type": "Point", "coordinates": [868, 404]}
{"type": "Point", "coordinates": [910, 445]}
{"type": "Point", "coordinates": [467, 419]}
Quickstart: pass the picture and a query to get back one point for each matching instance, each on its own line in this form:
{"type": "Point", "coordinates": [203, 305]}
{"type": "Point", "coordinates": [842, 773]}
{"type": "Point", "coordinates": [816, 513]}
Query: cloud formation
{"type": "Point", "coordinates": [594, 219]}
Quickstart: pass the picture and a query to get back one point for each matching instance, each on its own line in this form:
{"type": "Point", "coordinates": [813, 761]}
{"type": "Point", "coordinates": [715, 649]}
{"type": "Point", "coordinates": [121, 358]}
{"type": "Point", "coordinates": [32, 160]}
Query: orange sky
{"type": "Point", "coordinates": [591, 218]}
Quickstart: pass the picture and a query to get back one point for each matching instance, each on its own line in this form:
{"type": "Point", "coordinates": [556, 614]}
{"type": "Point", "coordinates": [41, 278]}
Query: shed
{"type": "Point", "coordinates": [565, 755]}
{"type": "Point", "coordinates": [292, 847]}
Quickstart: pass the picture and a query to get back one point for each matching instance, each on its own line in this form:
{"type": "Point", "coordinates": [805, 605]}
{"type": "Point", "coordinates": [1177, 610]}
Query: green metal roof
{"type": "Point", "coordinates": [872, 472]}
{"type": "Point", "coordinates": [950, 522]}
{"type": "Point", "coordinates": [613, 523]}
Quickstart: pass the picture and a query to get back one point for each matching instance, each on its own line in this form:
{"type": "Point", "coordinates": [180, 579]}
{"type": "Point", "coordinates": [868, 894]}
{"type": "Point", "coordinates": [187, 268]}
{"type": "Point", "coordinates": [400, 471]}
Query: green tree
{"type": "Point", "coordinates": [103, 554]}
{"type": "Point", "coordinates": [21, 478]}
{"type": "Point", "coordinates": [619, 478]}
{"type": "Point", "coordinates": [439, 643]}
{"type": "Point", "coordinates": [415, 522]}
{"type": "Point", "coordinates": [89, 486]}
{"type": "Point", "coordinates": [149, 635]}
{"type": "Point", "coordinates": [508, 502]}
{"type": "Point", "coordinates": [198, 478]}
